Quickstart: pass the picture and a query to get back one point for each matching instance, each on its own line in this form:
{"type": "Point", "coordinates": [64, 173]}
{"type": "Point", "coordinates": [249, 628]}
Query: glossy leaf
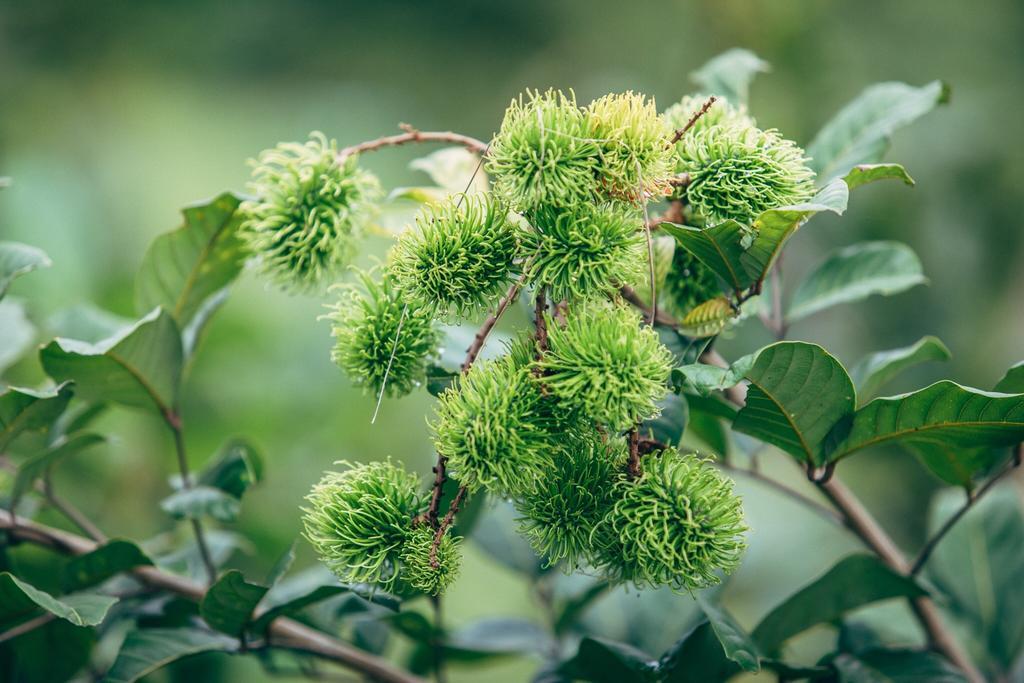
{"type": "Point", "coordinates": [896, 666]}
{"type": "Point", "coordinates": [201, 501]}
{"type": "Point", "coordinates": [943, 412]}
{"type": "Point", "coordinates": [1013, 381]}
{"type": "Point", "coordinates": [141, 367]}
{"type": "Point", "coordinates": [876, 369]}
{"type": "Point", "coordinates": [705, 379]}
{"type": "Point", "coordinates": [979, 566]}
{"type": "Point", "coordinates": [696, 658]}
{"type": "Point", "coordinates": [16, 333]}
{"type": "Point", "coordinates": [147, 650]}
{"type": "Point", "coordinates": [730, 74]}
{"type": "Point", "coordinates": [606, 661]}
{"type": "Point", "coordinates": [17, 259]}
{"type": "Point", "coordinates": [953, 463]}
{"type": "Point", "coordinates": [854, 581]}
{"type": "Point", "coordinates": [35, 467]}
{"type": "Point", "coordinates": [860, 132]}
{"type": "Point", "coordinates": [856, 272]}
{"type": "Point", "coordinates": [862, 174]}
{"type": "Point", "coordinates": [18, 598]}
{"type": "Point", "coordinates": [736, 644]}
{"type": "Point", "coordinates": [28, 410]}
{"type": "Point", "coordinates": [110, 559]}
{"type": "Point", "coordinates": [236, 467]}
{"type": "Point", "coordinates": [184, 268]}
{"type": "Point", "coordinates": [229, 603]}
{"type": "Point", "coordinates": [797, 394]}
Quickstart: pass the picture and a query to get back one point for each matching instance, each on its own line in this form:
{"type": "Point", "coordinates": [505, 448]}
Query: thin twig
{"type": "Point", "coordinates": [633, 468]}
{"type": "Point", "coordinates": [26, 626]}
{"type": "Point", "coordinates": [756, 475]}
{"type": "Point", "coordinates": [174, 422]}
{"type": "Point", "coordinates": [71, 512]}
{"type": "Point", "coordinates": [413, 135]}
{"type": "Point", "coordinates": [693, 120]}
{"type": "Point", "coordinates": [972, 499]}
{"type": "Point", "coordinates": [481, 335]}
{"type": "Point", "coordinates": [449, 518]}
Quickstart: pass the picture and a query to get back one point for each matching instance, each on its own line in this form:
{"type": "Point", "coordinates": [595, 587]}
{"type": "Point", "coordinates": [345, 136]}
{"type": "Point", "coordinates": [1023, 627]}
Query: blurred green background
{"type": "Point", "coordinates": [114, 115]}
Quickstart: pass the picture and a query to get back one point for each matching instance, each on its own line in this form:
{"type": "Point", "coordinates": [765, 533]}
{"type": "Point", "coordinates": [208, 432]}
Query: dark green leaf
{"type": "Point", "coordinates": [53, 652]}
{"type": "Point", "coordinates": [706, 422]}
{"type": "Point", "coordinates": [1013, 381]}
{"type": "Point", "coordinates": [184, 268]}
{"type": "Point", "coordinates": [144, 651]}
{"type": "Point", "coordinates": [18, 599]}
{"type": "Point", "coordinates": [860, 132]}
{"type": "Point", "coordinates": [501, 635]}
{"type": "Point", "coordinates": [141, 367]}
{"type": "Point", "coordinates": [27, 410]}
{"type": "Point", "coordinates": [854, 581]}
{"type": "Point", "coordinates": [874, 370]}
{"type": "Point", "coordinates": [495, 533]}
{"type": "Point", "coordinates": [230, 602]}
{"type": "Point", "coordinates": [797, 394]}
{"type": "Point", "coordinates": [736, 644]}
{"type": "Point", "coordinates": [697, 657]}
{"type": "Point", "coordinates": [574, 607]}
{"type": "Point", "coordinates": [606, 661]}
{"type": "Point", "coordinates": [296, 605]}
{"type": "Point", "coordinates": [730, 74]}
{"type": "Point", "coordinates": [413, 625]}
{"type": "Point", "coordinates": [235, 468]}
{"type": "Point", "coordinates": [439, 379]}
{"type": "Point", "coordinates": [17, 259]}
{"type": "Point", "coordinates": [979, 565]}
{"type": "Point", "coordinates": [16, 333]}
{"type": "Point", "coordinates": [201, 501]}
{"type": "Point", "coordinates": [35, 467]}
{"type": "Point", "coordinates": [719, 247]}
{"type": "Point", "coordinates": [896, 666]}
{"type": "Point", "coordinates": [955, 464]}
{"type": "Point", "coordinates": [856, 272]}
{"type": "Point", "coordinates": [281, 567]}
{"type": "Point", "coordinates": [97, 566]}
{"type": "Point", "coordinates": [944, 412]}
{"type": "Point", "coordinates": [668, 427]}
{"type": "Point", "coordinates": [862, 174]}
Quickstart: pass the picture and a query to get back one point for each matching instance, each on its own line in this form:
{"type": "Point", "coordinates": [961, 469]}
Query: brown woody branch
{"type": "Point", "coordinates": [412, 135]}
{"type": "Point", "coordinates": [693, 120]}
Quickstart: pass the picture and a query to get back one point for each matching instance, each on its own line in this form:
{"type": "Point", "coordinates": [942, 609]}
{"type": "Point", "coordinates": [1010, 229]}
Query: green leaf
{"type": "Point", "coordinates": [439, 379]}
{"type": "Point", "coordinates": [668, 427]}
{"type": "Point", "coordinates": [28, 410]}
{"type": "Point", "coordinates": [201, 501]}
{"type": "Point", "coordinates": [110, 559]}
{"type": "Point", "coordinates": [606, 661]}
{"type": "Point", "coordinates": [1013, 381]}
{"type": "Point", "coordinates": [696, 658]}
{"type": "Point", "coordinates": [53, 652]}
{"type": "Point", "coordinates": [281, 567]}
{"type": "Point", "coordinates": [88, 323]}
{"type": "Point", "coordinates": [570, 611]}
{"type": "Point", "coordinates": [235, 468]}
{"type": "Point", "coordinates": [141, 367]}
{"type": "Point", "coordinates": [708, 319]}
{"type": "Point", "coordinates": [705, 379]}
{"type": "Point", "coordinates": [944, 412]}
{"type": "Point", "coordinates": [860, 132]}
{"type": "Point", "coordinates": [955, 464]}
{"type": "Point", "coordinates": [18, 599]}
{"type": "Point", "coordinates": [35, 467]}
{"type": "Point", "coordinates": [230, 602]}
{"type": "Point", "coordinates": [875, 370]}
{"type": "Point", "coordinates": [896, 666]}
{"type": "Point", "coordinates": [979, 566]}
{"type": "Point", "coordinates": [856, 272]}
{"type": "Point", "coordinates": [16, 333]}
{"type": "Point", "coordinates": [495, 534]}
{"type": "Point", "coordinates": [719, 247]}
{"type": "Point", "coordinates": [854, 581]}
{"type": "Point", "coordinates": [705, 423]}
{"type": "Point", "coordinates": [184, 268]}
{"type": "Point", "coordinates": [452, 168]}
{"type": "Point", "coordinates": [296, 605]}
{"type": "Point", "coordinates": [736, 644]}
{"type": "Point", "coordinates": [862, 174]}
{"type": "Point", "coordinates": [501, 635]}
{"type": "Point", "coordinates": [797, 394]}
{"type": "Point", "coordinates": [17, 259]}
{"type": "Point", "coordinates": [730, 74]}
{"type": "Point", "coordinates": [146, 650]}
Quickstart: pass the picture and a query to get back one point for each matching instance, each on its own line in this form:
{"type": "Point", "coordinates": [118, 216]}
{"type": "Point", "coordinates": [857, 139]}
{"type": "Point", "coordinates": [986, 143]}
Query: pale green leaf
{"type": "Point", "coordinates": [201, 501]}
{"type": "Point", "coordinates": [874, 370]}
{"type": "Point", "coordinates": [88, 323]}
{"type": "Point", "coordinates": [147, 650]}
{"type": "Point", "coordinates": [860, 132]}
{"type": "Point", "coordinates": [856, 272]}
{"type": "Point", "coordinates": [80, 609]}
{"type": "Point", "coordinates": [707, 319]}
{"type": "Point", "coordinates": [17, 259]}
{"type": "Point", "coordinates": [862, 174]}
{"type": "Point", "coordinates": [16, 333]}
{"type": "Point", "coordinates": [730, 74]}
{"type": "Point", "coordinates": [705, 379]}
{"type": "Point", "coordinates": [453, 169]}
{"type": "Point", "coordinates": [141, 367]}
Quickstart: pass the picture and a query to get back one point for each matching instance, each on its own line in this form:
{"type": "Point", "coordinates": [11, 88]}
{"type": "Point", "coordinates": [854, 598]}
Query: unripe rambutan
{"type": "Point", "coordinates": [358, 520]}
{"type": "Point", "coordinates": [418, 571]}
{"type": "Point", "coordinates": [460, 255]}
{"type": "Point", "coordinates": [722, 112]}
{"type": "Point", "coordinates": [309, 211]}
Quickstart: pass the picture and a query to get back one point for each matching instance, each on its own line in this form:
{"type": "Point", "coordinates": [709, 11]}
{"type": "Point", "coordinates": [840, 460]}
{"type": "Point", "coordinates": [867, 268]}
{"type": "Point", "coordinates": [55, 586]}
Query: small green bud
{"type": "Point", "coordinates": [380, 335]}
{"type": "Point", "coordinates": [636, 158]}
{"type": "Point", "coordinates": [309, 211]}
{"type": "Point", "coordinates": [417, 569]}
{"type": "Point", "coordinates": [677, 524]}
{"type": "Point", "coordinates": [460, 255]}
{"type": "Point", "coordinates": [543, 155]}
{"type": "Point", "coordinates": [585, 251]}
{"type": "Point", "coordinates": [738, 171]}
{"type": "Point", "coordinates": [358, 519]}
{"type": "Point", "coordinates": [605, 365]}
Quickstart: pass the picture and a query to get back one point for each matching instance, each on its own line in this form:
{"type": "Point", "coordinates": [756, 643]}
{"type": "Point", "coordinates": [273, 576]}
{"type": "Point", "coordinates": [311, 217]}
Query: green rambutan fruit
{"type": "Point", "coordinates": [603, 364]}
{"type": "Point", "coordinates": [358, 520]}
{"type": "Point", "coordinates": [571, 496]}
{"type": "Point", "coordinates": [490, 427]}
{"type": "Point", "coordinates": [544, 155]}
{"type": "Point", "coordinates": [418, 571]}
{"type": "Point", "coordinates": [585, 251]}
{"type": "Point", "coordinates": [688, 283]}
{"type": "Point", "coordinates": [460, 256]}
{"type": "Point", "coordinates": [678, 524]}
{"type": "Point", "coordinates": [309, 211]}
{"type": "Point", "coordinates": [636, 158]}
{"type": "Point", "coordinates": [722, 112]}
{"type": "Point", "coordinates": [738, 171]}
{"type": "Point", "coordinates": [379, 335]}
